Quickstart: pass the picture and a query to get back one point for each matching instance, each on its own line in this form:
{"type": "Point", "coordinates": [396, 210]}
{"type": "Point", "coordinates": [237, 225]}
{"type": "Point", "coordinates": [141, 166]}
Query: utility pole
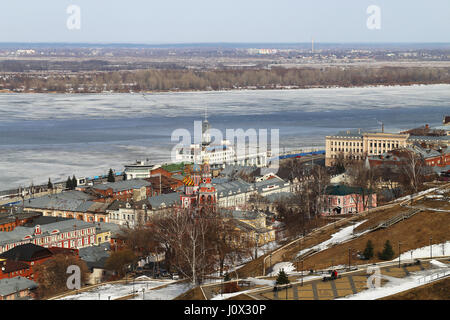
{"type": "Point", "coordinates": [431, 247]}
{"type": "Point", "coordinates": [349, 258]}
{"type": "Point", "coordinates": [302, 273]}
{"type": "Point", "coordinates": [399, 254]}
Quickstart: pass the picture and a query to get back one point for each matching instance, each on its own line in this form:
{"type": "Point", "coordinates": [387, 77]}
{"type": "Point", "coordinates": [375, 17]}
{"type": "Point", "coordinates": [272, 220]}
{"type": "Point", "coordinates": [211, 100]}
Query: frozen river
{"type": "Point", "coordinates": [56, 135]}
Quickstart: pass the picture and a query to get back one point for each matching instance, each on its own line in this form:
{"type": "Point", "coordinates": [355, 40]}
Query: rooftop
{"type": "Point", "coordinates": [16, 284]}
{"type": "Point", "coordinates": [343, 190]}
{"type": "Point", "coordinates": [26, 252]}
{"type": "Point", "coordinates": [123, 185]}
{"type": "Point", "coordinates": [164, 200]}
{"type": "Point", "coordinates": [19, 233]}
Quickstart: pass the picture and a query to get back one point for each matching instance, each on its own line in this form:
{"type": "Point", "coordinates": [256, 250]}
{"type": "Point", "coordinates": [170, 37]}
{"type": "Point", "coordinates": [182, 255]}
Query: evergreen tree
{"type": "Point", "coordinates": [226, 277]}
{"type": "Point", "coordinates": [387, 253]}
{"type": "Point", "coordinates": [49, 184]}
{"type": "Point", "coordinates": [368, 251]}
{"type": "Point", "coordinates": [69, 183]}
{"type": "Point", "coordinates": [124, 177]}
{"type": "Point", "coordinates": [74, 182]}
{"type": "Point", "coordinates": [111, 177]}
{"type": "Point", "coordinates": [282, 278]}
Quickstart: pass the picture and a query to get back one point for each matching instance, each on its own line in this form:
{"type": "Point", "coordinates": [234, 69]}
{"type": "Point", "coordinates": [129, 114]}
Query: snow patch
{"type": "Point", "coordinates": [437, 250]}
{"type": "Point", "coordinates": [288, 267]}
{"type": "Point", "coordinates": [336, 238]}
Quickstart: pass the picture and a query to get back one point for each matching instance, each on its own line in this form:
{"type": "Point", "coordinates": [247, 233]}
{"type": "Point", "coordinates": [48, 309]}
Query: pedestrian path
{"type": "Point", "coordinates": [347, 284]}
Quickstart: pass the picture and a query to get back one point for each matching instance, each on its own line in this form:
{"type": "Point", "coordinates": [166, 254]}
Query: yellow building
{"type": "Point", "coordinates": [104, 231]}
{"type": "Point", "coordinates": [251, 227]}
{"type": "Point", "coordinates": [358, 145]}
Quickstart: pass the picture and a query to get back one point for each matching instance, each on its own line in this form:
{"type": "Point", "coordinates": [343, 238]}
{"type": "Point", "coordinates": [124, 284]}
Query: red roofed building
{"type": "Point", "coordinates": [25, 257]}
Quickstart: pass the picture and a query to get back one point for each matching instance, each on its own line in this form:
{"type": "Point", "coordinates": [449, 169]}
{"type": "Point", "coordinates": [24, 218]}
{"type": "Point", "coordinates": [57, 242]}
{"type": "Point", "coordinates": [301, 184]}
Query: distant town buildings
{"type": "Point", "coordinates": [358, 145]}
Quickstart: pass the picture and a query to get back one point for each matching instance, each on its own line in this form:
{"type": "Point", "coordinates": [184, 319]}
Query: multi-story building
{"type": "Point", "coordinates": [68, 233]}
{"type": "Point", "coordinates": [342, 199]}
{"type": "Point", "coordinates": [17, 288]}
{"type": "Point", "coordinates": [139, 170]}
{"type": "Point", "coordinates": [129, 213]}
{"type": "Point", "coordinates": [219, 154]}
{"type": "Point", "coordinates": [22, 259]}
{"type": "Point", "coordinates": [70, 204]}
{"type": "Point", "coordinates": [124, 190]}
{"type": "Point", "coordinates": [358, 145]}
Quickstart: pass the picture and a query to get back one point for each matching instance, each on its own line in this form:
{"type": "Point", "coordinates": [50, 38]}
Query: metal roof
{"type": "Point", "coordinates": [16, 284]}
{"type": "Point", "coordinates": [164, 200]}
{"type": "Point", "coordinates": [123, 185]}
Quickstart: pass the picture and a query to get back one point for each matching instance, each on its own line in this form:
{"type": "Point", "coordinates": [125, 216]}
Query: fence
{"type": "Point", "coordinates": [441, 274]}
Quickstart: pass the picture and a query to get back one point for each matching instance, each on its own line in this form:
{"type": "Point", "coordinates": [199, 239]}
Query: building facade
{"type": "Point", "coordinates": [70, 234]}
{"type": "Point", "coordinates": [358, 145]}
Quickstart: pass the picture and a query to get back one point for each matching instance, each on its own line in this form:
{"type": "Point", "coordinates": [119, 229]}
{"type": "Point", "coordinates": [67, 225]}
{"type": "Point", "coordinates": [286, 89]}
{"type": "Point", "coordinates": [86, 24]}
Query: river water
{"type": "Point", "coordinates": [56, 135]}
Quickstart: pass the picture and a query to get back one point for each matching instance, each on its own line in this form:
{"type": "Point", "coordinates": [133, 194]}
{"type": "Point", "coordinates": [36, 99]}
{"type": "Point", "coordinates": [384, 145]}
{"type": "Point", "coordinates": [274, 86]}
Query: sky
{"type": "Point", "coordinates": [203, 21]}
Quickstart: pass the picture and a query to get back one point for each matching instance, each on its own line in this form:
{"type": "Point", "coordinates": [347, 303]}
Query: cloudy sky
{"type": "Point", "coordinates": [193, 21]}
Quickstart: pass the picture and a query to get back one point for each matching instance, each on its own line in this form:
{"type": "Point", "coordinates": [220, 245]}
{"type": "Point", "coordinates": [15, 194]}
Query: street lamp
{"type": "Point", "coordinates": [431, 247]}
{"type": "Point", "coordinates": [302, 272]}
{"type": "Point", "coordinates": [270, 259]}
{"type": "Point", "coordinates": [349, 258]}
{"type": "Point", "coordinates": [399, 253]}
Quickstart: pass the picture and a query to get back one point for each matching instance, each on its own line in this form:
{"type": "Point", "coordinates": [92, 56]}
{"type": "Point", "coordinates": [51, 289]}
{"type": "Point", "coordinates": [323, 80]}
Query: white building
{"type": "Point", "coordinates": [139, 170]}
{"type": "Point", "coordinates": [219, 154]}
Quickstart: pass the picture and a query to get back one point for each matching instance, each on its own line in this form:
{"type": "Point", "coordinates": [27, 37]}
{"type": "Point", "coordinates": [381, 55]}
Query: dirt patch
{"type": "Point", "coordinates": [377, 217]}
{"type": "Point", "coordinates": [193, 294]}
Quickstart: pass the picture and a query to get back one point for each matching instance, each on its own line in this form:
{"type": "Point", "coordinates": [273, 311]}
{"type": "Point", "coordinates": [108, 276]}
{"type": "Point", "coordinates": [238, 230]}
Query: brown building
{"type": "Point", "coordinates": [9, 221]}
{"type": "Point", "coordinates": [123, 190]}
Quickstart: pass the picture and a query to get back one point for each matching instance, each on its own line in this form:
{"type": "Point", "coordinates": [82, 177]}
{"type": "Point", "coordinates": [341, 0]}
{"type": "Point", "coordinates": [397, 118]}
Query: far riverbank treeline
{"type": "Point", "coordinates": [223, 79]}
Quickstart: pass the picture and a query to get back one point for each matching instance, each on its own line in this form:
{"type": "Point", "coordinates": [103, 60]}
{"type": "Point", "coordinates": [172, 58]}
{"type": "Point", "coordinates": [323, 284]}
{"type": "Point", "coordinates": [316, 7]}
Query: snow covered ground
{"type": "Point", "coordinates": [167, 293]}
{"type": "Point", "coordinates": [114, 291]}
{"type": "Point", "coordinates": [336, 238]}
{"type": "Point", "coordinates": [288, 267]}
{"type": "Point", "coordinates": [416, 194]}
{"type": "Point", "coordinates": [397, 285]}
{"type": "Point", "coordinates": [437, 250]}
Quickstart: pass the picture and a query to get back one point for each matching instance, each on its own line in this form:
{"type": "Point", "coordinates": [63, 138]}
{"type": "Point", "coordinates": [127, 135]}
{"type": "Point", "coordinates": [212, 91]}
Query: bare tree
{"type": "Point", "coordinates": [362, 176]}
{"type": "Point", "coordinates": [412, 168]}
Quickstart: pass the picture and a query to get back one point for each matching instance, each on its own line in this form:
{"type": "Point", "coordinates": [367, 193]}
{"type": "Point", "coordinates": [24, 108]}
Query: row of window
{"type": "Point", "coordinates": [384, 144]}
{"type": "Point", "coordinates": [346, 150]}
{"type": "Point", "coordinates": [128, 217]}
{"type": "Point", "coordinates": [347, 143]}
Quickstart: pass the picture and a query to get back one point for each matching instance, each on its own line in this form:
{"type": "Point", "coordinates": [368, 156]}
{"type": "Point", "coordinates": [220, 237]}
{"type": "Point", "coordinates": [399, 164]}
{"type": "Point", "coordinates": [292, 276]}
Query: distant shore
{"type": "Point", "coordinates": [233, 89]}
